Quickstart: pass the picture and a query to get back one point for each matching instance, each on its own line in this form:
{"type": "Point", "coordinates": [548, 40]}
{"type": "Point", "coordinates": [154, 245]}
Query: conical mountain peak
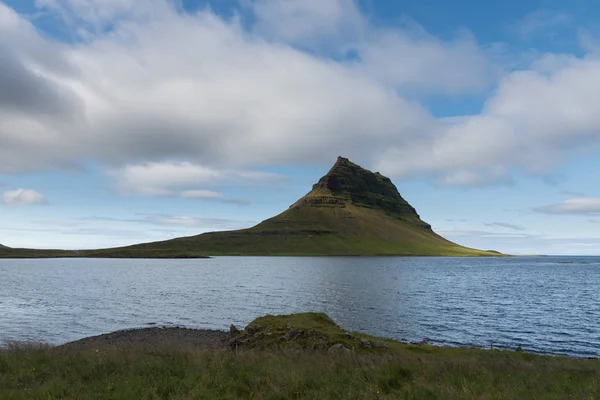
{"type": "Point", "coordinates": [349, 183]}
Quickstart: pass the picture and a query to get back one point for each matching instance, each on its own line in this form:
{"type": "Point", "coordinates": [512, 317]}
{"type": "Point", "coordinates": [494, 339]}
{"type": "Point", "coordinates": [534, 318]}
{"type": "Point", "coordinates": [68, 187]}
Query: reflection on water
{"type": "Point", "coordinates": [542, 304]}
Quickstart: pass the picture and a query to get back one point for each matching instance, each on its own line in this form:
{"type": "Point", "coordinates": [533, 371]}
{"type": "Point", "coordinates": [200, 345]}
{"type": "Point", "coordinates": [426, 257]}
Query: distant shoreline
{"type": "Point", "coordinates": [55, 254]}
{"type": "Point", "coordinates": [182, 337]}
{"type": "Point", "coordinates": [105, 254]}
{"type": "Point", "coordinates": [153, 337]}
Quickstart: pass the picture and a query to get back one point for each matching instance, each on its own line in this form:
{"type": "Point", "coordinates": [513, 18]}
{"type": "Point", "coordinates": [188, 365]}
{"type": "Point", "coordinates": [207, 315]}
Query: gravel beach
{"type": "Point", "coordinates": [155, 337]}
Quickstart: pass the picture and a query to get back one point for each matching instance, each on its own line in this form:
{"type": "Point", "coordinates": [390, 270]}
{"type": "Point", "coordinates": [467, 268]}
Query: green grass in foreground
{"type": "Point", "coordinates": [412, 372]}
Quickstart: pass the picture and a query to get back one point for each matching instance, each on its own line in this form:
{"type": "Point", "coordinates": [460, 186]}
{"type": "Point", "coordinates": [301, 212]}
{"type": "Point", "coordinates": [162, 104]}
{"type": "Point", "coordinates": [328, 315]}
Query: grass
{"type": "Point", "coordinates": [307, 331]}
{"type": "Point", "coordinates": [306, 230]}
{"type": "Point", "coordinates": [276, 370]}
{"type": "Point", "coordinates": [410, 372]}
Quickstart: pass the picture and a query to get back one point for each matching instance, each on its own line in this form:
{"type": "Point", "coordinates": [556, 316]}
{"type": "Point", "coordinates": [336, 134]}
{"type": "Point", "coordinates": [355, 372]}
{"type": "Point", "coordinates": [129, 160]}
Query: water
{"type": "Point", "coordinates": [542, 304]}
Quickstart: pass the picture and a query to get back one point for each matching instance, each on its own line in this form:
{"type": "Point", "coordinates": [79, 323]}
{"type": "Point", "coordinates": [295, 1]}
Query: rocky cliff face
{"type": "Point", "coordinates": [347, 181]}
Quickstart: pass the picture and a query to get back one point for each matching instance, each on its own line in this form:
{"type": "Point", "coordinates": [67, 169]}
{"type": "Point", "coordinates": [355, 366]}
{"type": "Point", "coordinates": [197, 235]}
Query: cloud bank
{"type": "Point", "coordinates": [145, 84]}
{"type": "Point", "coordinates": [575, 206]}
{"type": "Point", "coordinates": [23, 197]}
{"type": "Point", "coordinates": [185, 180]}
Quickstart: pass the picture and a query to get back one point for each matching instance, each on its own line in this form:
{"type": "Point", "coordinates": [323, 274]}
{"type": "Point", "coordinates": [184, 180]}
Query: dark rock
{"type": "Point", "coordinates": [379, 344]}
{"type": "Point", "coordinates": [234, 331]}
{"type": "Point", "coordinates": [348, 181]}
{"type": "Point", "coordinates": [321, 346]}
{"type": "Point", "coordinates": [251, 329]}
{"type": "Point", "coordinates": [323, 201]}
{"type": "Point", "coordinates": [291, 335]}
{"type": "Point", "coordinates": [366, 343]}
{"type": "Point", "coordinates": [339, 348]}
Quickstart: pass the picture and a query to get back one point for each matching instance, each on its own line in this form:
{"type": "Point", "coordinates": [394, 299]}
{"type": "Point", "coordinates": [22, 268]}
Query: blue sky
{"type": "Point", "coordinates": [125, 121]}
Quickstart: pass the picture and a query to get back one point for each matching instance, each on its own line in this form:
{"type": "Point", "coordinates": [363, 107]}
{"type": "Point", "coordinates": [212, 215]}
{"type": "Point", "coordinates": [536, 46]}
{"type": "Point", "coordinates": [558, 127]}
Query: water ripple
{"type": "Point", "coordinates": [542, 304]}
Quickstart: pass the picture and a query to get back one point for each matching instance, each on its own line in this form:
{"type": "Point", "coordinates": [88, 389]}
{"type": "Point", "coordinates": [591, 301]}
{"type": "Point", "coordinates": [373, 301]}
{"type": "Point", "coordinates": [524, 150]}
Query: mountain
{"type": "Point", "coordinates": [3, 247]}
{"type": "Point", "coordinates": [349, 211]}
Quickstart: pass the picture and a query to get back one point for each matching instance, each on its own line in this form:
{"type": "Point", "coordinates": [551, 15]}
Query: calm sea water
{"type": "Point", "coordinates": [543, 304]}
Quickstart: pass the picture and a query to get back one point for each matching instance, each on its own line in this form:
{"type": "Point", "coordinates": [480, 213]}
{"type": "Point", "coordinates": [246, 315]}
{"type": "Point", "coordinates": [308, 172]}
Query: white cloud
{"type": "Point", "coordinates": [578, 206]}
{"type": "Point", "coordinates": [202, 223]}
{"type": "Point", "coordinates": [542, 21]}
{"type": "Point", "coordinates": [93, 16]}
{"type": "Point", "coordinates": [102, 232]}
{"type": "Point", "coordinates": [183, 179]}
{"type": "Point", "coordinates": [514, 227]}
{"type": "Point", "coordinates": [21, 197]}
{"type": "Point", "coordinates": [524, 243]}
{"type": "Point", "coordinates": [492, 175]}
{"type": "Point", "coordinates": [196, 222]}
{"type": "Point", "coordinates": [162, 85]}
{"type": "Point", "coordinates": [458, 233]}
{"type": "Point", "coordinates": [419, 63]}
{"type": "Point", "coordinates": [200, 194]}
{"type": "Point", "coordinates": [308, 22]}
{"type": "Point", "coordinates": [408, 58]}
{"type": "Point", "coordinates": [200, 88]}
{"type": "Point", "coordinates": [534, 120]}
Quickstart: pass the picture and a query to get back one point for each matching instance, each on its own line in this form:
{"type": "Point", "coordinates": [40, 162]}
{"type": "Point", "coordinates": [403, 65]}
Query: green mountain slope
{"type": "Point", "coordinates": [350, 211]}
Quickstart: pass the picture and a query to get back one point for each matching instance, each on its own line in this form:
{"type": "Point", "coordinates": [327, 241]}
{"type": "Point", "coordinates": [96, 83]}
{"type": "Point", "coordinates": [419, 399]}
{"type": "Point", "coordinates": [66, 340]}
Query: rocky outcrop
{"type": "Point", "coordinates": [234, 331]}
{"type": "Point", "coordinates": [322, 201]}
{"type": "Point", "coordinates": [307, 331]}
{"type": "Point", "coordinates": [339, 348]}
{"type": "Point", "coordinates": [348, 182]}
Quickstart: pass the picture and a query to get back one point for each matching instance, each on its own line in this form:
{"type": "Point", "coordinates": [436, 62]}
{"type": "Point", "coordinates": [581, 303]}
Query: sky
{"type": "Point", "coordinates": [127, 121]}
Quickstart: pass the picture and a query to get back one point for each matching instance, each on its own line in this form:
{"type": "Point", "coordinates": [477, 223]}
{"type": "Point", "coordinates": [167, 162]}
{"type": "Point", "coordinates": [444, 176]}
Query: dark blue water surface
{"type": "Point", "coordinates": [542, 304]}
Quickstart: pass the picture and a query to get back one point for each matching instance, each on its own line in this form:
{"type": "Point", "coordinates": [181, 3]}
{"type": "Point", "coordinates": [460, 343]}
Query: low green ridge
{"type": "Point", "coordinates": [349, 211]}
{"type": "Point", "coordinates": [123, 252]}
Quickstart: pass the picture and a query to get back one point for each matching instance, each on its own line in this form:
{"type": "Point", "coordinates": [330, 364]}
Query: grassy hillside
{"type": "Point", "coordinates": [400, 371]}
{"type": "Point", "coordinates": [349, 211]}
{"type": "Point", "coordinates": [325, 230]}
